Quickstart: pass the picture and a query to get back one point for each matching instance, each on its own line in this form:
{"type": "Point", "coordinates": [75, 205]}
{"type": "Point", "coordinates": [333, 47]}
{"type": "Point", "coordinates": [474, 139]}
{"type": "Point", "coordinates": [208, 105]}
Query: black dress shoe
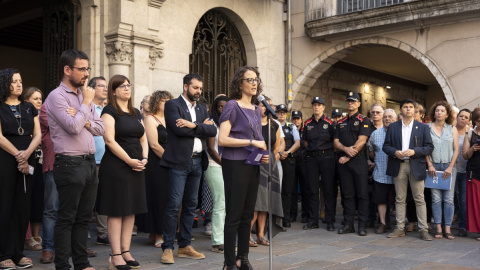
{"type": "Point", "coordinates": [245, 264]}
{"type": "Point", "coordinates": [311, 225]}
{"type": "Point", "coordinates": [286, 224]}
{"type": "Point", "coordinates": [330, 227]}
{"type": "Point", "coordinates": [362, 231]}
{"type": "Point", "coordinates": [346, 229]}
{"type": "Point", "coordinates": [305, 220]}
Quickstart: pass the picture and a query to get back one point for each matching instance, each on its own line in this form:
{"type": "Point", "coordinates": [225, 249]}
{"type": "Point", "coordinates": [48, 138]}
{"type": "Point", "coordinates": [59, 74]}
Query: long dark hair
{"type": "Point", "coordinates": [214, 111]}
{"type": "Point", "coordinates": [113, 84]}
{"type": "Point", "coordinates": [235, 91]}
{"type": "Point", "coordinates": [6, 77]}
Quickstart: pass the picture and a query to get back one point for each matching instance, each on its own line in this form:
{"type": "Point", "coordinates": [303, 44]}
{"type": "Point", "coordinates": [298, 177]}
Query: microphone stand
{"type": "Point", "coordinates": [270, 223]}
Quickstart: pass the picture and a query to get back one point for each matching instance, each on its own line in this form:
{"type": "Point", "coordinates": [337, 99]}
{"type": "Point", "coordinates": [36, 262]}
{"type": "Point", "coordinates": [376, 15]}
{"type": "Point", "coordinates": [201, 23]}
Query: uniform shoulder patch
{"type": "Point", "coordinates": [328, 120]}
{"type": "Point", "coordinates": [360, 117]}
{"type": "Point", "coordinates": [308, 121]}
{"type": "Point", "coordinates": [343, 119]}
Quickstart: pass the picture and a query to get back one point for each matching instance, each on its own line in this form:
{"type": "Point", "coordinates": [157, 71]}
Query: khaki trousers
{"type": "Point", "coordinates": [405, 175]}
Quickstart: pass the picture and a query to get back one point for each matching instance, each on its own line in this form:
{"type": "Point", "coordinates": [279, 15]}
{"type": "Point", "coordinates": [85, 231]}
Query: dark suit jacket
{"type": "Point", "coordinates": [420, 142]}
{"type": "Point", "coordinates": [180, 140]}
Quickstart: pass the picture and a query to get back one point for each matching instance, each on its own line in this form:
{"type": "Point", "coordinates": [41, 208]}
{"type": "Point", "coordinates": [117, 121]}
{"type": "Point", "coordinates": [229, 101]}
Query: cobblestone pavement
{"type": "Point", "coordinates": [314, 249]}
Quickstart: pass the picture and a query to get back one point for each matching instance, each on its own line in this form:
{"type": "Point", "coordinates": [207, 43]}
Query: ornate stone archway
{"type": "Point", "coordinates": [324, 61]}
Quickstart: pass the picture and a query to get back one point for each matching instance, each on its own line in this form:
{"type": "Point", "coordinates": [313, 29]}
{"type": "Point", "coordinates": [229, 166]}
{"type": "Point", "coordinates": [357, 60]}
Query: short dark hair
{"type": "Point", "coordinates": [68, 58]}
{"type": "Point", "coordinates": [475, 115]}
{"type": "Point", "coordinates": [93, 81]}
{"type": "Point", "coordinates": [189, 77]}
{"type": "Point", "coordinates": [213, 110]}
{"type": "Point", "coordinates": [450, 119]}
{"type": "Point", "coordinates": [407, 101]}
{"type": "Point", "coordinates": [235, 91]}
{"type": "Point", "coordinates": [6, 77]}
{"type": "Point", "coordinates": [467, 111]}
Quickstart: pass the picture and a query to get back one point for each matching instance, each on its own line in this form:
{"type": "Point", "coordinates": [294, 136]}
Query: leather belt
{"type": "Point", "coordinates": [318, 153]}
{"type": "Point", "coordinates": [196, 155]}
{"type": "Point", "coordinates": [405, 160]}
{"type": "Point", "coordinates": [85, 157]}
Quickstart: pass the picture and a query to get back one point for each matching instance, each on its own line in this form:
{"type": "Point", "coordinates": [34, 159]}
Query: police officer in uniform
{"type": "Point", "coordinates": [300, 173]}
{"type": "Point", "coordinates": [318, 133]}
{"type": "Point", "coordinates": [337, 115]}
{"type": "Point", "coordinates": [292, 143]}
{"type": "Point", "coordinates": [351, 134]}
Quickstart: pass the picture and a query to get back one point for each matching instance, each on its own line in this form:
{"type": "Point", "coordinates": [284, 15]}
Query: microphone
{"type": "Point", "coordinates": [269, 109]}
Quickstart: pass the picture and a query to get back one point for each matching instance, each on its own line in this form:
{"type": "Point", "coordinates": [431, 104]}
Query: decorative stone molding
{"type": "Point", "coordinates": [155, 53]}
{"type": "Point", "coordinates": [156, 3]}
{"type": "Point", "coordinates": [119, 52]}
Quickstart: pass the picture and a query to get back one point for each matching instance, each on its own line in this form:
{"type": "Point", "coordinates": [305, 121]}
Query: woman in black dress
{"type": "Point", "coordinates": [121, 187]}
{"type": "Point", "coordinates": [156, 176]}
{"type": "Point", "coordinates": [19, 137]}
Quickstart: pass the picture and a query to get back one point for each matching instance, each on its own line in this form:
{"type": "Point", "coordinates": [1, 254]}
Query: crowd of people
{"type": "Point", "coordinates": [87, 152]}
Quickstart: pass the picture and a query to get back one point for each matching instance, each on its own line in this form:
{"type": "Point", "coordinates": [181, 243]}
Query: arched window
{"type": "Point", "coordinates": [217, 52]}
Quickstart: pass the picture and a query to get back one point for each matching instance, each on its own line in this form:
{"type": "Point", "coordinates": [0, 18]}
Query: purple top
{"type": "Point", "coordinates": [69, 134]}
{"type": "Point", "coordinates": [246, 124]}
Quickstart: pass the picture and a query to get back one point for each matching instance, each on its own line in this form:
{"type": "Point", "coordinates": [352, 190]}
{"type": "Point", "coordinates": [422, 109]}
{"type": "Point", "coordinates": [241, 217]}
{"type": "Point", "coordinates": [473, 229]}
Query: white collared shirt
{"type": "Point", "coordinates": [197, 143]}
{"type": "Point", "coordinates": [406, 134]}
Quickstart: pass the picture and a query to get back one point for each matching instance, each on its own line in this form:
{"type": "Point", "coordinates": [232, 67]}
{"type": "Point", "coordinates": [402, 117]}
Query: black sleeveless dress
{"type": "Point", "coordinates": [156, 181]}
{"type": "Point", "coordinates": [121, 190]}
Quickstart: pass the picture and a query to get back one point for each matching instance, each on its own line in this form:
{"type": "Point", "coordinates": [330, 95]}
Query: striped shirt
{"type": "Point", "coordinates": [375, 144]}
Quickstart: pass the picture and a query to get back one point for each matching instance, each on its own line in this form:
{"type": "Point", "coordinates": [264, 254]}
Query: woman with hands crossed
{"type": "Point", "coordinates": [240, 133]}
{"type": "Point", "coordinates": [121, 177]}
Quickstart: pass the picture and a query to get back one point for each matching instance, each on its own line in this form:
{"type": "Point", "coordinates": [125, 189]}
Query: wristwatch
{"type": "Point", "coordinates": [196, 124]}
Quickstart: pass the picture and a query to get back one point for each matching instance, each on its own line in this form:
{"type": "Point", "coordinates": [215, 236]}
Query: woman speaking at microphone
{"type": "Point", "coordinates": [240, 133]}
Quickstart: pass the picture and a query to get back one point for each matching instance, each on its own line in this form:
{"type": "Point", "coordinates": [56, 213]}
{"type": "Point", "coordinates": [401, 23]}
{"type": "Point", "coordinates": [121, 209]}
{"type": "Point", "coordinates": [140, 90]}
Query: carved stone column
{"type": "Point", "coordinates": [119, 55]}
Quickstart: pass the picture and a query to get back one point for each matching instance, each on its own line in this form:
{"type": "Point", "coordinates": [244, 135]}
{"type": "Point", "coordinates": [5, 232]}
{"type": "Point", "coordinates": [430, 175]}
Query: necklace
{"type": "Point", "coordinates": [18, 117]}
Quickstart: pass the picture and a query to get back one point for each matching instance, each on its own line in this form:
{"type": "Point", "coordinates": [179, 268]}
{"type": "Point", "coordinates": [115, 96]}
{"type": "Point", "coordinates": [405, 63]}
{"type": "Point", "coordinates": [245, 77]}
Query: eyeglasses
{"type": "Point", "coordinates": [375, 112]}
{"type": "Point", "coordinates": [416, 111]}
{"type": "Point", "coordinates": [83, 69]}
{"type": "Point", "coordinates": [125, 86]}
{"type": "Point", "coordinates": [102, 86]}
{"type": "Point", "coordinates": [251, 80]}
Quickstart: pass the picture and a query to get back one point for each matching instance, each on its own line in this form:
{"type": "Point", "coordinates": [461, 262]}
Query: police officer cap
{"type": "Point", "coordinates": [318, 100]}
{"type": "Point", "coordinates": [281, 107]}
{"type": "Point", "coordinates": [353, 96]}
{"type": "Point", "coordinates": [297, 114]}
{"type": "Point", "coordinates": [337, 112]}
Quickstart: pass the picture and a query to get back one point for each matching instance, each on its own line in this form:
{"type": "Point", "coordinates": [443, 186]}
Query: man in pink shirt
{"type": "Point", "coordinates": [73, 122]}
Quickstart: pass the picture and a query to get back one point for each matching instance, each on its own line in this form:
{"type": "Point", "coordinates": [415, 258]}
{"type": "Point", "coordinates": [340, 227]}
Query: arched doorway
{"type": "Point", "coordinates": [329, 59]}
{"type": "Point", "coordinates": [217, 51]}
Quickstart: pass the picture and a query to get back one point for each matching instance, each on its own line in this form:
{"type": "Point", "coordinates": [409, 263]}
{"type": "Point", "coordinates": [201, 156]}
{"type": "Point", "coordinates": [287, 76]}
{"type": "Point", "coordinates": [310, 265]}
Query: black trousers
{"type": "Point", "coordinates": [302, 181]}
{"type": "Point", "coordinates": [354, 184]}
{"type": "Point", "coordinates": [14, 207]}
{"type": "Point", "coordinates": [77, 181]}
{"type": "Point", "coordinates": [288, 188]}
{"type": "Point", "coordinates": [324, 166]}
{"type": "Point", "coordinates": [241, 187]}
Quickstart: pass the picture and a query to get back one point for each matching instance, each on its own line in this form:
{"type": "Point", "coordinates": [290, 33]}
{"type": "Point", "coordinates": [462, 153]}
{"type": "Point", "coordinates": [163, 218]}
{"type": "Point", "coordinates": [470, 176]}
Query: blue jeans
{"type": "Point", "coordinates": [182, 191]}
{"type": "Point", "coordinates": [461, 182]}
{"type": "Point", "coordinates": [446, 196]}
{"type": "Point", "coordinates": [49, 211]}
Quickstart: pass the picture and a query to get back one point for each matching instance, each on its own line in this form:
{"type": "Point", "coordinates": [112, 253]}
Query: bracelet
{"type": "Point", "coordinates": [145, 158]}
{"type": "Point", "coordinates": [251, 142]}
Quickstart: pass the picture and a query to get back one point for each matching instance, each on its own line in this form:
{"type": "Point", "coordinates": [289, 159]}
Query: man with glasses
{"type": "Point", "coordinates": [376, 116]}
{"type": "Point", "coordinates": [99, 84]}
{"type": "Point", "coordinates": [351, 135]}
{"type": "Point", "coordinates": [382, 184]}
{"type": "Point", "coordinates": [73, 122]}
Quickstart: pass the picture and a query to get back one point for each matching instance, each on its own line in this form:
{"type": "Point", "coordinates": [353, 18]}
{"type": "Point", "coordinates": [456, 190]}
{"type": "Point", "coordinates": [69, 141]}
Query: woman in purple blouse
{"type": "Point", "coordinates": [240, 132]}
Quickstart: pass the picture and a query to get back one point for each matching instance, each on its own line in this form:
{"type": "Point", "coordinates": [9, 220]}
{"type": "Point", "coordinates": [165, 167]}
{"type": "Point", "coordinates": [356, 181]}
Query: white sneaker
{"type": "Point", "coordinates": [208, 229]}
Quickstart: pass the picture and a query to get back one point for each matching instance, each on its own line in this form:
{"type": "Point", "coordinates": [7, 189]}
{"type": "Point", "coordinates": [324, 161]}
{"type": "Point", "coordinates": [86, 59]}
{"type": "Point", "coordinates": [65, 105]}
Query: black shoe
{"type": "Point", "coordinates": [133, 263]}
{"type": "Point", "coordinates": [231, 267]}
{"type": "Point", "coordinates": [462, 232]}
{"type": "Point", "coordinates": [103, 241]}
{"type": "Point", "coordinates": [346, 229]}
{"type": "Point", "coordinates": [362, 231]}
{"type": "Point", "coordinates": [330, 227]}
{"type": "Point", "coordinates": [293, 219]}
{"type": "Point", "coordinates": [118, 267]}
{"type": "Point", "coordinates": [244, 263]}
{"type": "Point", "coordinates": [311, 225]}
{"type": "Point", "coordinates": [305, 220]}
{"type": "Point", "coordinates": [286, 224]}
